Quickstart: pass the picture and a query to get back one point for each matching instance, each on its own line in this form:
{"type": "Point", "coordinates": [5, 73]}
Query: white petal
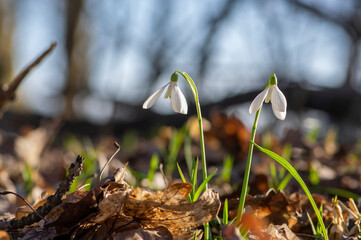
{"type": "Point", "coordinates": [257, 102]}
{"type": "Point", "coordinates": [279, 115]}
{"type": "Point", "coordinates": [178, 101]}
{"type": "Point", "coordinates": [154, 97]}
{"type": "Point", "coordinates": [170, 89]}
{"type": "Point", "coordinates": [269, 94]}
{"type": "Point", "coordinates": [278, 100]}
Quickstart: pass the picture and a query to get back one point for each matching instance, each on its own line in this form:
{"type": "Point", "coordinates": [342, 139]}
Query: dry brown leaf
{"type": "Point", "coordinates": [74, 208]}
{"type": "Point", "coordinates": [111, 205]}
{"type": "Point", "coordinates": [39, 234]}
{"type": "Point", "coordinates": [4, 235]}
{"type": "Point", "coordinates": [230, 232]}
{"type": "Point", "coordinates": [280, 232]}
{"type": "Point", "coordinates": [168, 208]}
{"type": "Point", "coordinates": [25, 210]}
{"type": "Point", "coordinates": [302, 225]}
{"type": "Point", "coordinates": [112, 211]}
{"type": "Point", "coordinates": [230, 132]}
{"type": "Point", "coordinates": [144, 234]}
{"type": "Point", "coordinates": [271, 205]}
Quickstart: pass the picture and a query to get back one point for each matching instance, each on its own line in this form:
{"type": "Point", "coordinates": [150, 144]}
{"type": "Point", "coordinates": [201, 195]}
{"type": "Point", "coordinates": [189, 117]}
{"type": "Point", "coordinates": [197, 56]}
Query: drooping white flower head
{"type": "Point", "coordinates": [177, 100]}
{"type": "Point", "coordinates": [271, 93]}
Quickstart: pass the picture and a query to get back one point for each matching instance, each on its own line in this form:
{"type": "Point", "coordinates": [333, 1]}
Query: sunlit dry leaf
{"type": "Point", "coordinates": [168, 208]}
{"type": "Point", "coordinates": [302, 225]}
{"type": "Point", "coordinates": [280, 232]}
{"type": "Point", "coordinates": [4, 235]}
{"type": "Point", "coordinates": [254, 224]}
{"type": "Point", "coordinates": [271, 205]}
{"type": "Point", "coordinates": [111, 205]}
{"type": "Point", "coordinates": [173, 195]}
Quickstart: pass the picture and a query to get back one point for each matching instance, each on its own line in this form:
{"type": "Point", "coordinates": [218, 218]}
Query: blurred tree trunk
{"type": "Point", "coordinates": [77, 42]}
{"type": "Point", "coordinates": [6, 33]}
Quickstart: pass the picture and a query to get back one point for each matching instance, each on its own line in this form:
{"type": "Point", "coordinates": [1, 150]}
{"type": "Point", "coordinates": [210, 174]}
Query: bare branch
{"type": "Point", "coordinates": [8, 93]}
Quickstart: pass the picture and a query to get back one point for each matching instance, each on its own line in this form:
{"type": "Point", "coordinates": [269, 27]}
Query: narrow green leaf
{"type": "Point", "coordinates": [195, 235]}
{"type": "Point", "coordinates": [194, 177]}
{"type": "Point", "coordinates": [201, 187]}
{"type": "Point", "coordinates": [298, 178]}
{"type": "Point", "coordinates": [225, 212]}
{"type": "Point", "coordinates": [181, 174]}
{"type": "Point", "coordinates": [153, 166]}
{"type": "Point", "coordinates": [273, 172]}
{"type": "Point", "coordinates": [311, 223]}
{"type": "Point", "coordinates": [227, 168]}
{"type": "Point", "coordinates": [282, 185]}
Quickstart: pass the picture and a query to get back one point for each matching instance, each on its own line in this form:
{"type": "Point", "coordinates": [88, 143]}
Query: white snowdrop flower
{"type": "Point", "coordinates": [271, 93]}
{"type": "Point", "coordinates": [177, 100]}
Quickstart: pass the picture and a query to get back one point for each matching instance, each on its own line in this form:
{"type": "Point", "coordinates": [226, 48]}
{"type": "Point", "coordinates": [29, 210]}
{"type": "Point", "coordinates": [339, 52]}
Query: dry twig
{"type": "Point", "coordinates": [51, 202]}
{"type": "Point", "coordinates": [7, 93]}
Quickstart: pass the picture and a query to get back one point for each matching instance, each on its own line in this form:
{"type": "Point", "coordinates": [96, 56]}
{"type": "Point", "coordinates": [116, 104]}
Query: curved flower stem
{"type": "Point", "coordinates": [199, 114]}
{"type": "Point", "coordinates": [193, 87]}
{"type": "Point", "coordinates": [247, 171]}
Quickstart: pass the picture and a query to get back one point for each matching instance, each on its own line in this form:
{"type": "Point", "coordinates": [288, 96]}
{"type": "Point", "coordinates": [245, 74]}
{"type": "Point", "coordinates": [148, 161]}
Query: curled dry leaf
{"type": "Point", "coordinates": [280, 232]}
{"type": "Point", "coordinates": [112, 205]}
{"type": "Point", "coordinates": [168, 208]}
{"type": "Point", "coordinates": [164, 213]}
{"type": "Point", "coordinates": [112, 211]}
{"type": "Point", "coordinates": [74, 208]}
{"type": "Point", "coordinates": [272, 206]}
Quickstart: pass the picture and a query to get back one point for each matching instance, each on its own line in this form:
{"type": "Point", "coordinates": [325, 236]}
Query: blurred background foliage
{"type": "Point", "coordinates": [112, 54]}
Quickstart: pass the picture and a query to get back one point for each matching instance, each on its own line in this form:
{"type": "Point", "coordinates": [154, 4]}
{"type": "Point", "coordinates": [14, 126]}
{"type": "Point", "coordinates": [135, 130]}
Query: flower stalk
{"type": "Point", "coordinates": [272, 94]}
{"type": "Point", "coordinates": [200, 122]}
{"type": "Point", "coordinates": [179, 104]}
{"type": "Point", "coordinates": [193, 87]}
{"type": "Point", "coordinates": [242, 199]}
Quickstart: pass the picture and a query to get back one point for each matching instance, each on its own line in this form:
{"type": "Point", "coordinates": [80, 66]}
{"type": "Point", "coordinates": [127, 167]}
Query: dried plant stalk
{"type": "Point", "coordinates": [52, 200]}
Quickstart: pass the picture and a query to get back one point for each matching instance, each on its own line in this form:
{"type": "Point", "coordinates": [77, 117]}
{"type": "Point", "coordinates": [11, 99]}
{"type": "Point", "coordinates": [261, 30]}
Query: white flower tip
{"type": "Point", "coordinates": [153, 98]}
{"type": "Point", "coordinates": [280, 115]}
{"type": "Point", "coordinates": [258, 101]}
{"type": "Point", "coordinates": [145, 106]}
{"type": "Point", "coordinates": [178, 101]}
{"type": "Point", "coordinates": [251, 108]}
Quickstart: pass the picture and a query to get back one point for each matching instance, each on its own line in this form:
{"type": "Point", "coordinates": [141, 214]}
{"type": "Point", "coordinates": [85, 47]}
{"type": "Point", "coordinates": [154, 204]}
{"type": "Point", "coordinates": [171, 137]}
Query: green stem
{"type": "Point", "coordinates": [200, 122]}
{"type": "Point", "coordinates": [193, 87]}
{"type": "Point", "coordinates": [242, 199]}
